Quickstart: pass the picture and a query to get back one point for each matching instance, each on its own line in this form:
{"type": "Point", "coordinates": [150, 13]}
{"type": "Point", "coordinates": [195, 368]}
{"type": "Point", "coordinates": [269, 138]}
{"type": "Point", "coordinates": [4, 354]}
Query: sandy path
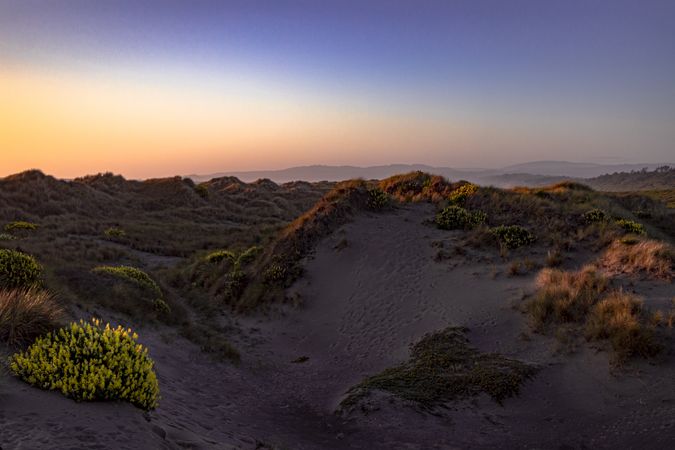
{"type": "Point", "coordinates": [363, 305]}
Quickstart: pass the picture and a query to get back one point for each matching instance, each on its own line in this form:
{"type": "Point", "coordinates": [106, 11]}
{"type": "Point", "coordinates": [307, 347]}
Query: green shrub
{"type": "Point", "coordinates": [595, 215]}
{"type": "Point", "coordinates": [202, 190]}
{"type": "Point", "coordinates": [513, 236]}
{"type": "Point", "coordinates": [87, 361]}
{"type": "Point", "coordinates": [20, 225]}
{"type": "Point", "coordinates": [377, 199]}
{"type": "Point", "coordinates": [219, 256]}
{"type": "Point", "coordinates": [459, 195]}
{"type": "Point", "coordinates": [131, 274]}
{"type": "Point", "coordinates": [161, 306]}
{"type": "Point", "coordinates": [457, 218]}
{"type": "Point", "coordinates": [274, 274]}
{"type": "Point", "coordinates": [237, 260]}
{"type": "Point", "coordinates": [631, 226]}
{"type": "Point", "coordinates": [18, 270]}
{"type": "Point", "coordinates": [6, 237]}
{"type": "Point", "coordinates": [115, 232]}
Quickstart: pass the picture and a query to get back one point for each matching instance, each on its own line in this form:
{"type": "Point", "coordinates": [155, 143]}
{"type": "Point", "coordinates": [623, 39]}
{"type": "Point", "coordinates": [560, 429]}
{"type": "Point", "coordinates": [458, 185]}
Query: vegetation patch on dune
{"type": "Point", "coordinates": [377, 199]}
{"type": "Point", "coordinates": [90, 361]}
{"type": "Point", "coordinates": [443, 367]}
{"type": "Point", "coordinates": [513, 236]}
{"type": "Point", "coordinates": [237, 260]}
{"type": "Point", "coordinates": [131, 274]}
{"type": "Point", "coordinates": [596, 215]}
{"type": "Point", "coordinates": [26, 314]}
{"type": "Point", "coordinates": [18, 270]}
{"type": "Point", "coordinates": [631, 226]}
{"type": "Point", "coordinates": [462, 193]}
{"type": "Point", "coordinates": [20, 225]}
{"type": "Point", "coordinates": [115, 233]}
{"type": "Point", "coordinates": [418, 186]}
{"type": "Point", "coordinates": [457, 218]}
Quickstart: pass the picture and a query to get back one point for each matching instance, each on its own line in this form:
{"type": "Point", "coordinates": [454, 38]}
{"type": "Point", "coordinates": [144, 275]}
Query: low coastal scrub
{"type": "Point", "coordinates": [457, 218]}
{"type": "Point", "coordinates": [88, 361]}
{"type": "Point", "coordinates": [130, 274]}
{"type": "Point", "coordinates": [595, 215]}
{"type": "Point", "coordinates": [417, 186]}
{"type": "Point", "coordinates": [513, 236]}
{"type": "Point", "coordinates": [443, 367]}
{"type": "Point", "coordinates": [218, 256]}
{"type": "Point", "coordinates": [238, 260]}
{"type": "Point", "coordinates": [26, 314]}
{"type": "Point", "coordinates": [115, 232]}
{"type": "Point", "coordinates": [230, 285]}
{"type": "Point", "coordinates": [20, 225]}
{"type": "Point", "coordinates": [202, 190]}
{"type": "Point", "coordinates": [377, 199]}
{"type": "Point", "coordinates": [462, 193]}
{"type": "Point", "coordinates": [631, 226]}
{"type": "Point", "coordinates": [18, 270]}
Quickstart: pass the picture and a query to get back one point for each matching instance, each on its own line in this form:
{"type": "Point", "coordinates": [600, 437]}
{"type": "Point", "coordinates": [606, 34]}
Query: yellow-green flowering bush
{"type": "Point", "coordinates": [89, 361]}
{"type": "Point", "coordinates": [631, 226]}
{"type": "Point", "coordinates": [459, 195]}
{"type": "Point", "coordinates": [18, 270]}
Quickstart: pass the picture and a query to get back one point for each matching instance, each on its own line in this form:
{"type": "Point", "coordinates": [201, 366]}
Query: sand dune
{"type": "Point", "coordinates": [371, 289]}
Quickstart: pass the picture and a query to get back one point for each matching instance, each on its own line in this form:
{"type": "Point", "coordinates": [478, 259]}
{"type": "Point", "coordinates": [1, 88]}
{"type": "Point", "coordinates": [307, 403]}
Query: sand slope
{"type": "Point", "coordinates": [362, 305]}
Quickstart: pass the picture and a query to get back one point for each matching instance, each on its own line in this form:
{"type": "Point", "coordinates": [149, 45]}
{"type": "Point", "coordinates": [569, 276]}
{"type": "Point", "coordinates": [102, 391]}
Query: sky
{"type": "Point", "coordinates": [159, 88]}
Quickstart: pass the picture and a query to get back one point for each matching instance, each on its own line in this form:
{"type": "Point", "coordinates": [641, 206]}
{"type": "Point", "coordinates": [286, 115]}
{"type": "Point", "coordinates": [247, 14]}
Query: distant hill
{"type": "Point", "coordinates": [573, 169]}
{"type": "Point", "coordinates": [536, 173]}
{"type": "Point", "coordinates": [334, 173]}
{"type": "Point", "coordinates": [659, 179]}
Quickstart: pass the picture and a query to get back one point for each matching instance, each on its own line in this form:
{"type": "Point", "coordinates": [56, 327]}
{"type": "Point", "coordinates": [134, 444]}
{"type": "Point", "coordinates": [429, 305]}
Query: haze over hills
{"type": "Point", "coordinates": [530, 173]}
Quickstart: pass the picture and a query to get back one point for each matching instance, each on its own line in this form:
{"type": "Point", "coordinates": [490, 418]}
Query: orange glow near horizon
{"type": "Point", "coordinates": [71, 124]}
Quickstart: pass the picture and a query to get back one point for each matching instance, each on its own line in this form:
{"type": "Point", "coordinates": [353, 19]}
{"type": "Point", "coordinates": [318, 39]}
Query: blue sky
{"type": "Point", "coordinates": [509, 81]}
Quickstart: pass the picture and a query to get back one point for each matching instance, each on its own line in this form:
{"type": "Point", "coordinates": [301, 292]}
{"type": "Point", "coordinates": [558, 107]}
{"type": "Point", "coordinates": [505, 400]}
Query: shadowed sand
{"type": "Point", "coordinates": [371, 289]}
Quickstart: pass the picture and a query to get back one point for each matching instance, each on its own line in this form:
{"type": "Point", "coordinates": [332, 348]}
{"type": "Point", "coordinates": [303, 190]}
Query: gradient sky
{"type": "Point", "coordinates": [157, 88]}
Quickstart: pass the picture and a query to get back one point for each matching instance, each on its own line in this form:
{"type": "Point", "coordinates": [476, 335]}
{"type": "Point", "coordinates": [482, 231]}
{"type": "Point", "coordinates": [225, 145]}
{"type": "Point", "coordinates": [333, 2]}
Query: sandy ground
{"type": "Point", "coordinates": [362, 306]}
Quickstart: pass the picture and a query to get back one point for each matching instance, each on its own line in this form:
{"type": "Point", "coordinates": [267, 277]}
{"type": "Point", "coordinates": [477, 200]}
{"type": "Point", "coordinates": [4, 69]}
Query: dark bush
{"type": "Point", "coordinates": [457, 218]}
{"type": "Point", "coordinates": [513, 236]}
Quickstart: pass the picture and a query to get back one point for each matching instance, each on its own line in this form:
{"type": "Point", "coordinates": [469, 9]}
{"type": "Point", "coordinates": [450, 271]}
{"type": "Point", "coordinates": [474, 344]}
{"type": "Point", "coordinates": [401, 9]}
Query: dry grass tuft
{"type": "Point", "coordinates": [620, 319]}
{"type": "Point", "coordinates": [580, 303]}
{"type": "Point", "coordinates": [652, 258]}
{"type": "Point", "coordinates": [26, 314]}
{"type": "Point", "coordinates": [565, 296]}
